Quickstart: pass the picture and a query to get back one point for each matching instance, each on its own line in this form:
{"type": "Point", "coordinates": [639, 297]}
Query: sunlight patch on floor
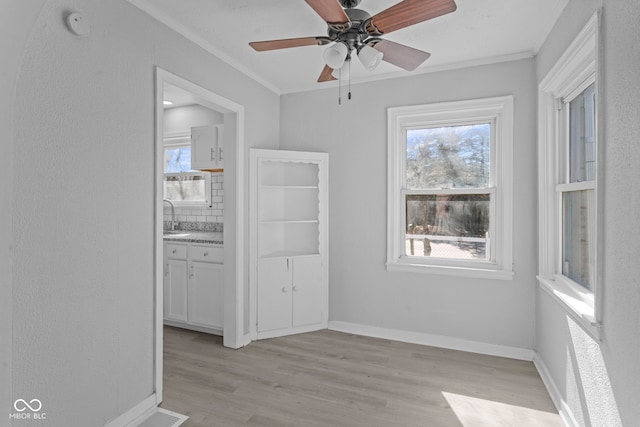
{"type": "Point", "coordinates": [476, 412]}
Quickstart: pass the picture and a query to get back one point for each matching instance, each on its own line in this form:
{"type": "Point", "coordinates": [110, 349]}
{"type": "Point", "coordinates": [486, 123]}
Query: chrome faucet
{"type": "Point", "coordinates": [173, 213]}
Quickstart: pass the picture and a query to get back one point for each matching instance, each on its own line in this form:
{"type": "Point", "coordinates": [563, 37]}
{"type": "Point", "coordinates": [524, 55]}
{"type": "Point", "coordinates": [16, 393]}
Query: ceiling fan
{"type": "Point", "coordinates": [354, 30]}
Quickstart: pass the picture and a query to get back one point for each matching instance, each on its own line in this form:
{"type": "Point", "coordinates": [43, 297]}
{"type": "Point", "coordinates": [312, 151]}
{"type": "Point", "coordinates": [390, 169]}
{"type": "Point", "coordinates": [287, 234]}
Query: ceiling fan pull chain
{"type": "Point", "coordinates": [349, 96]}
{"type": "Point", "coordinates": [340, 86]}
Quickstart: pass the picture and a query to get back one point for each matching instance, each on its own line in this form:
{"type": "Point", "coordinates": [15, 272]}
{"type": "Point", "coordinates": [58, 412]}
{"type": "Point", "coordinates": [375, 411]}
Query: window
{"type": "Point", "coordinates": [577, 189]}
{"type": "Point", "coordinates": [568, 180]}
{"type": "Point", "coordinates": [449, 198]}
{"type": "Point", "coordinates": [182, 185]}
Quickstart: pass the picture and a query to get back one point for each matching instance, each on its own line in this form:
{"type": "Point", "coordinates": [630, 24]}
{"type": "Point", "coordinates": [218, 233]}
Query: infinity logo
{"type": "Point", "coordinates": [21, 405]}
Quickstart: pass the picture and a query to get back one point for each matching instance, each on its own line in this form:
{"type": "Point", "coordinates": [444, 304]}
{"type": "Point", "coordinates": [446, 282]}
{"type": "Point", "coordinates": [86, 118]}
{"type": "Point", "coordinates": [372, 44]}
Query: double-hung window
{"type": "Point", "coordinates": [568, 180]}
{"type": "Point", "coordinates": [577, 187]}
{"type": "Point", "coordinates": [183, 185]}
{"type": "Point", "coordinates": [449, 195]}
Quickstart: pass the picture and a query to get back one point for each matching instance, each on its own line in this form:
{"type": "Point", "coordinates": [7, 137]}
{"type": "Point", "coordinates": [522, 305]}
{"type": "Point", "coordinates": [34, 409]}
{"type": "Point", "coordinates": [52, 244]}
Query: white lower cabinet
{"type": "Point", "coordinates": [290, 295]}
{"type": "Point", "coordinates": [175, 290]}
{"type": "Point", "coordinates": [206, 303]}
{"type": "Point", "coordinates": [193, 287]}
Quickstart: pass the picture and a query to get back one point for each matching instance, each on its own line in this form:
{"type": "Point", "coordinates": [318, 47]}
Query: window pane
{"type": "Point", "coordinates": [578, 248]}
{"type": "Point", "coordinates": [452, 226]}
{"type": "Point", "coordinates": [177, 159]}
{"type": "Point", "coordinates": [582, 136]}
{"type": "Point", "coordinates": [185, 188]}
{"type": "Point", "coordinates": [448, 157]}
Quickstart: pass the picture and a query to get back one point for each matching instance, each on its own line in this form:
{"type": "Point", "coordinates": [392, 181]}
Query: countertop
{"type": "Point", "coordinates": [187, 236]}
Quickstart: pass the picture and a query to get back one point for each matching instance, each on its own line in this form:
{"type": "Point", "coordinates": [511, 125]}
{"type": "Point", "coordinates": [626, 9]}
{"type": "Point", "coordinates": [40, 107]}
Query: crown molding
{"type": "Point", "coordinates": [155, 13]}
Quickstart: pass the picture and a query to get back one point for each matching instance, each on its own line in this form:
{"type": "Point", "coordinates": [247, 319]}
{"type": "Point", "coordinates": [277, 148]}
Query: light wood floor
{"type": "Point", "coordinates": [332, 379]}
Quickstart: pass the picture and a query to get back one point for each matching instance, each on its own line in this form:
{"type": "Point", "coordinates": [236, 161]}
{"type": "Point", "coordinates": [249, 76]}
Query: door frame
{"type": "Point", "coordinates": [234, 219]}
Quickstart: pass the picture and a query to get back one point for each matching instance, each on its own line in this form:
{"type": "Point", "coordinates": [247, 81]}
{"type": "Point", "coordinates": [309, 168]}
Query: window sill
{"type": "Point", "coordinates": [195, 205]}
{"type": "Point", "coordinates": [477, 273]}
{"type": "Point", "coordinates": [578, 308]}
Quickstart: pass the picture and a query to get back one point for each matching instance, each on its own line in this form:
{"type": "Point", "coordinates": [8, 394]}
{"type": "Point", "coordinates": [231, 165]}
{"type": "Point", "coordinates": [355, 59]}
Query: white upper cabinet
{"type": "Point", "coordinates": [207, 148]}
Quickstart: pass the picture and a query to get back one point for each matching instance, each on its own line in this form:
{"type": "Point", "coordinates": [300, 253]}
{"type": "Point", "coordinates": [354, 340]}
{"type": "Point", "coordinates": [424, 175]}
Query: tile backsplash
{"type": "Point", "coordinates": [214, 214]}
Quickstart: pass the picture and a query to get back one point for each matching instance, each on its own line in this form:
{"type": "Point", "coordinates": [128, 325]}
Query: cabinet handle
{"type": "Point", "coordinates": [191, 274]}
{"type": "Point", "coordinates": [295, 289]}
{"type": "Point", "coordinates": [173, 251]}
{"type": "Point", "coordinates": [206, 253]}
{"type": "Point", "coordinates": [219, 154]}
{"type": "Point", "coordinates": [287, 264]}
{"type": "Point", "coordinates": [213, 154]}
{"type": "Point", "coordinates": [166, 270]}
{"type": "Point", "coordinates": [284, 289]}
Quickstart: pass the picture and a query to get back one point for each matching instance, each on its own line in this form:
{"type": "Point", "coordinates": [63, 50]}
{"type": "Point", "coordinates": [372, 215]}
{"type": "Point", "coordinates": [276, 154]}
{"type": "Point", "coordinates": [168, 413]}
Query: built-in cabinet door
{"type": "Point", "coordinates": [307, 290]}
{"type": "Point", "coordinates": [206, 147]}
{"type": "Point", "coordinates": [175, 290]}
{"type": "Point", "coordinates": [274, 294]}
{"type": "Point", "coordinates": [206, 303]}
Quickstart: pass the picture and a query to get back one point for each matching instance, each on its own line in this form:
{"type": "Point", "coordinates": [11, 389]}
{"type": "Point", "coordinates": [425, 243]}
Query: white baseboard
{"type": "Point", "coordinates": [140, 410]}
{"type": "Point", "coordinates": [561, 405]}
{"type": "Point", "coordinates": [433, 340]}
{"type": "Point", "coordinates": [206, 330]}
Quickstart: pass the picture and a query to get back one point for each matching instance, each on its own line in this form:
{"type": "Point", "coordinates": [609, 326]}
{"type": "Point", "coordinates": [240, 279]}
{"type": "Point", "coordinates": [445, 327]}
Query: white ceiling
{"type": "Point", "coordinates": [480, 31]}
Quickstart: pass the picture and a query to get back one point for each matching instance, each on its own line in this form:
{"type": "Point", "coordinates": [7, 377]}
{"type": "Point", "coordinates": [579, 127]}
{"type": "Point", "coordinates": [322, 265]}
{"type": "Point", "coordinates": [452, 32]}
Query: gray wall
{"type": "Point", "coordinates": [354, 134]}
{"type": "Point", "coordinates": [82, 195]}
{"type": "Point", "coordinates": [16, 20]}
{"type": "Point", "coordinates": [599, 381]}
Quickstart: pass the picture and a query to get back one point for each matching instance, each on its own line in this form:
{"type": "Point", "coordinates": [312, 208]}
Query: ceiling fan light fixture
{"type": "Point", "coordinates": [369, 57]}
{"type": "Point", "coordinates": [335, 56]}
{"type": "Point", "coordinates": [342, 72]}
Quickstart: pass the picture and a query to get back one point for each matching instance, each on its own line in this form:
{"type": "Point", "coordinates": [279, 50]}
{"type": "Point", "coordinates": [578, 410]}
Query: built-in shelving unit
{"type": "Point", "coordinates": [288, 205]}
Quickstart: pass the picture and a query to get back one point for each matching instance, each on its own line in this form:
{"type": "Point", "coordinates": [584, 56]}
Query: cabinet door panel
{"type": "Point", "coordinates": [206, 303]}
{"type": "Point", "coordinates": [204, 147]}
{"type": "Point", "coordinates": [175, 290]}
{"type": "Point", "coordinates": [308, 298]}
{"type": "Point", "coordinates": [274, 294]}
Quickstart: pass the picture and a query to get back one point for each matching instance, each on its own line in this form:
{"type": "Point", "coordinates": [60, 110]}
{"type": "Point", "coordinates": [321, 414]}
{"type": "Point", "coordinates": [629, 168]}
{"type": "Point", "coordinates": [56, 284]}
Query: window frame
{"type": "Point", "coordinates": [576, 70]}
{"type": "Point", "coordinates": [177, 140]}
{"type": "Point", "coordinates": [498, 111]}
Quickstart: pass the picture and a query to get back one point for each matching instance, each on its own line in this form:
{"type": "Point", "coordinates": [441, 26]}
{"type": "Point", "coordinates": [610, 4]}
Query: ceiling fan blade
{"type": "Point", "coordinates": [325, 75]}
{"type": "Point", "coordinates": [408, 12]}
{"type": "Point", "coordinates": [330, 11]}
{"type": "Point", "coordinates": [287, 43]}
{"type": "Point", "coordinates": [403, 56]}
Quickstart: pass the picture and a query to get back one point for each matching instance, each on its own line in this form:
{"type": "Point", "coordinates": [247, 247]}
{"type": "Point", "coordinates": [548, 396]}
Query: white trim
{"type": "Point", "coordinates": [576, 304]}
{"type": "Point", "coordinates": [151, 10]}
{"type": "Point", "coordinates": [575, 69]}
{"type": "Point", "coordinates": [556, 397]}
{"type": "Point", "coordinates": [234, 312]}
{"type": "Point", "coordinates": [144, 408]}
{"type": "Point", "coordinates": [499, 112]}
{"type": "Point", "coordinates": [158, 333]}
{"type": "Point", "coordinates": [443, 270]}
{"type": "Point", "coordinates": [433, 340]}
{"type": "Point", "coordinates": [192, 327]}
{"type": "Point", "coordinates": [428, 69]}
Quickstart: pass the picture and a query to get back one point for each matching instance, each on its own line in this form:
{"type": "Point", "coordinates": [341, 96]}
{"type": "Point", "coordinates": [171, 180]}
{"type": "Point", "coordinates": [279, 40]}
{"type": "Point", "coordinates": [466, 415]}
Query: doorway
{"type": "Point", "coordinates": [234, 213]}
